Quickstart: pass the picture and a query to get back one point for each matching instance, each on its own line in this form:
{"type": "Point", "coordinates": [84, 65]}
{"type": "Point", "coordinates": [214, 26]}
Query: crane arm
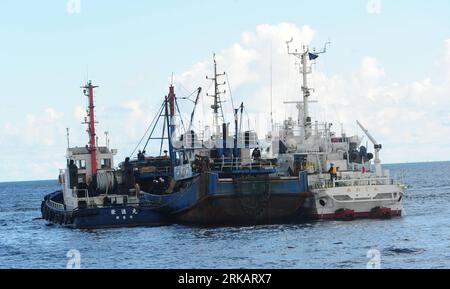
{"type": "Point", "coordinates": [372, 139]}
{"type": "Point", "coordinates": [378, 147]}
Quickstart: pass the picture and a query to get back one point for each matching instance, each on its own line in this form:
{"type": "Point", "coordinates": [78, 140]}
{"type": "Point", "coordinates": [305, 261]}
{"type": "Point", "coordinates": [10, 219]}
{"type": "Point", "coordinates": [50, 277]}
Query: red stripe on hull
{"type": "Point", "coordinates": [360, 215]}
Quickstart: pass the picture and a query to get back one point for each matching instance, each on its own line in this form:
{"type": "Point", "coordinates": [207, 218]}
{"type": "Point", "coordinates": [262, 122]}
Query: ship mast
{"type": "Point", "coordinates": [171, 99]}
{"type": "Point", "coordinates": [305, 57]}
{"type": "Point", "coordinates": [170, 121]}
{"type": "Point", "coordinates": [89, 92]}
{"type": "Point", "coordinates": [217, 102]}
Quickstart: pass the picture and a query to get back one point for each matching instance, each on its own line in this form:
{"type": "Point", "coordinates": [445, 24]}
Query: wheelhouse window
{"type": "Point", "coordinates": [81, 164]}
{"type": "Point", "coordinates": [105, 163]}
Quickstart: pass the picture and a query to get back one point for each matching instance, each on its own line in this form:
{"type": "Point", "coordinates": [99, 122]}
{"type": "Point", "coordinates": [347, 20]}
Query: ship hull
{"type": "Point", "coordinates": [234, 210]}
{"type": "Point", "coordinates": [104, 217]}
{"type": "Point", "coordinates": [212, 201]}
{"type": "Point", "coordinates": [357, 202]}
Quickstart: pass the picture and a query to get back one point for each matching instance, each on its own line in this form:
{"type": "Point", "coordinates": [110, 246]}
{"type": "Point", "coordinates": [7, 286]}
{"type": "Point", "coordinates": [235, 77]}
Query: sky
{"type": "Point", "coordinates": [388, 66]}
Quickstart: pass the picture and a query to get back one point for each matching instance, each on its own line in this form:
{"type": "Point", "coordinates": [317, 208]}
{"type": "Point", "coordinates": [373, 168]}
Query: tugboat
{"type": "Point", "coordinates": [93, 194]}
{"type": "Point", "coordinates": [343, 181]}
{"type": "Point", "coordinates": [220, 179]}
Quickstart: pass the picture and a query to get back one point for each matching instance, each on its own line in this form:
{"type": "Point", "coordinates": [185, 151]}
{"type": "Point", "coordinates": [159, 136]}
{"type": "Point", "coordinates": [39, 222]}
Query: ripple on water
{"type": "Point", "coordinates": [397, 251]}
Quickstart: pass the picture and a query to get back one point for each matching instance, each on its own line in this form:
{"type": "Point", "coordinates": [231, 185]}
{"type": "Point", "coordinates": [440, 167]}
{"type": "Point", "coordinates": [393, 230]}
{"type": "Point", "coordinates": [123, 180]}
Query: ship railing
{"type": "Point", "coordinates": [319, 129]}
{"type": "Point", "coordinates": [399, 180]}
{"type": "Point", "coordinates": [160, 170]}
{"type": "Point", "coordinates": [84, 195]}
{"type": "Point", "coordinates": [56, 205]}
{"type": "Point", "coordinates": [353, 183]}
{"type": "Point", "coordinates": [163, 169]}
{"type": "Point", "coordinates": [227, 164]}
{"type": "Point", "coordinates": [363, 182]}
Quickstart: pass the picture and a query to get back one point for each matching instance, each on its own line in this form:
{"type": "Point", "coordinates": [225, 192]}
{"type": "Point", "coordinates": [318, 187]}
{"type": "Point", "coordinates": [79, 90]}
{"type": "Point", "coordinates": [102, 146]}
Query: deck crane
{"type": "Point", "coordinates": [377, 148]}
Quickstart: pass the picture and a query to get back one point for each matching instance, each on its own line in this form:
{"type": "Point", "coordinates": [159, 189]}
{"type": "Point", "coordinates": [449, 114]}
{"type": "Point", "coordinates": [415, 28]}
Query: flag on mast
{"type": "Point", "coordinates": [313, 56]}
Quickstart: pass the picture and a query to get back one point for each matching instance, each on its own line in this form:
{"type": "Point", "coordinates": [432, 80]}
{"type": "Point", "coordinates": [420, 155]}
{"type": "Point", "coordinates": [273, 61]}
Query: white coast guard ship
{"type": "Point", "coordinates": [344, 179]}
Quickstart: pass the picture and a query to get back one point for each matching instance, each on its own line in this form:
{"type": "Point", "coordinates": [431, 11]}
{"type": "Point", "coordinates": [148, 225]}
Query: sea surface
{"type": "Point", "coordinates": [420, 239]}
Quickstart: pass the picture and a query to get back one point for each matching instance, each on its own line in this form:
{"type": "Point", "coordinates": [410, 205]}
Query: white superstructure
{"type": "Point", "coordinates": [350, 189]}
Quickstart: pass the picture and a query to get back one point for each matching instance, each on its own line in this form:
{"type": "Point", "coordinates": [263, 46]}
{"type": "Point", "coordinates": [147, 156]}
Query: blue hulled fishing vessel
{"type": "Point", "coordinates": [220, 178]}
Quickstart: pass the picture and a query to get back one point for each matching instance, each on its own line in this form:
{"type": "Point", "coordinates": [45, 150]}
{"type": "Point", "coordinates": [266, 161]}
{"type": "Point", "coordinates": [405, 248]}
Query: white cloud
{"type": "Point", "coordinates": [447, 46]}
{"type": "Point", "coordinates": [138, 118]}
{"type": "Point", "coordinates": [34, 147]}
{"type": "Point", "coordinates": [370, 70]}
{"type": "Point", "coordinates": [36, 128]}
{"type": "Point", "coordinates": [43, 128]}
{"type": "Point", "coordinates": [373, 6]}
{"type": "Point", "coordinates": [79, 113]}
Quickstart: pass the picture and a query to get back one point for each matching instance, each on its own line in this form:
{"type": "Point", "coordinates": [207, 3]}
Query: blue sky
{"type": "Point", "coordinates": [130, 49]}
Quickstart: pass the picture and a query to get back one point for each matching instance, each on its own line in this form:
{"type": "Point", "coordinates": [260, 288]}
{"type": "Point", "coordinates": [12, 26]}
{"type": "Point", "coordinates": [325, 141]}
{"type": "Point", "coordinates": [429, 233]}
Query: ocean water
{"type": "Point", "coordinates": [420, 239]}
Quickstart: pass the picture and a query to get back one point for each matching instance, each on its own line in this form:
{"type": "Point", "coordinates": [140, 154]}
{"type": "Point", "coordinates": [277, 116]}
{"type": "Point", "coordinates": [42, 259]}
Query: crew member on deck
{"type": "Point", "coordinates": [256, 155]}
{"type": "Point", "coordinates": [333, 172]}
{"type": "Point", "coordinates": [128, 175]}
{"type": "Point", "coordinates": [73, 174]}
{"type": "Point", "coordinates": [140, 156]}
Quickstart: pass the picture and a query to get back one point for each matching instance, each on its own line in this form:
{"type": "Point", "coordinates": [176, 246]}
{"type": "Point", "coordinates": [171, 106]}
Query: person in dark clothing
{"type": "Point", "coordinates": [256, 155]}
{"type": "Point", "coordinates": [128, 175]}
{"type": "Point", "coordinates": [140, 156]}
{"type": "Point", "coordinates": [127, 163]}
{"type": "Point", "coordinates": [73, 174]}
{"type": "Point", "coordinates": [106, 201]}
{"type": "Point", "coordinates": [92, 186]}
